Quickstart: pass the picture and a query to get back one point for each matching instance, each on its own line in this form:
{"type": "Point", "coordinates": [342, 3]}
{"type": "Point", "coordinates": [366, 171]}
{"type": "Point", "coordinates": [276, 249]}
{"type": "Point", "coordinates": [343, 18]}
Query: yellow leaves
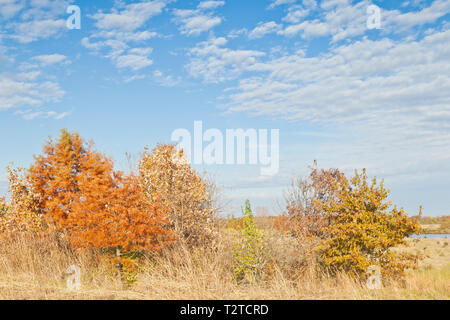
{"type": "Point", "coordinates": [166, 174]}
{"type": "Point", "coordinates": [362, 229]}
{"type": "Point", "coordinates": [20, 214]}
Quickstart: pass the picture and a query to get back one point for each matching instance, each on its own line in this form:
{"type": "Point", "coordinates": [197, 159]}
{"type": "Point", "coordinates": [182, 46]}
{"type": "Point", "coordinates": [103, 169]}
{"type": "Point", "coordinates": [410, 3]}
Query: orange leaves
{"type": "Point", "coordinates": [55, 174]}
{"type": "Point", "coordinates": [123, 218]}
{"type": "Point", "coordinates": [99, 207]}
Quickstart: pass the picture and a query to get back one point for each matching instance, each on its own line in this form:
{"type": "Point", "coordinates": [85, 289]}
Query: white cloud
{"type": "Point", "coordinates": [132, 17]}
{"type": "Point", "coordinates": [436, 10]}
{"type": "Point", "coordinates": [31, 115]}
{"type": "Point", "coordinates": [276, 3]}
{"type": "Point", "coordinates": [338, 18]}
{"type": "Point", "coordinates": [34, 20]}
{"type": "Point", "coordinates": [165, 80]}
{"type": "Point", "coordinates": [194, 22]}
{"type": "Point", "coordinates": [365, 68]}
{"type": "Point", "coordinates": [264, 28]}
{"type": "Point", "coordinates": [119, 30]}
{"type": "Point", "coordinates": [126, 36]}
{"type": "Point", "coordinates": [343, 19]}
{"type": "Point", "coordinates": [49, 59]}
{"type": "Point", "coordinates": [134, 77]}
{"type": "Point", "coordinates": [30, 31]}
{"type": "Point", "coordinates": [391, 98]}
{"type": "Point", "coordinates": [133, 61]}
{"type": "Point", "coordinates": [4, 58]}
{"type": "Point", "coordinates": [9, 8]}
{"type": "Point", "coordinates": [295, 14]}
{"type": "Point", "coordinates": [310, 29]}
{"type": "Point", "coordinates": [24, 90]}
{"type": "Point", "coordinates": [210, 4]}
{"type": "Point", "coordinates": [214, 63]}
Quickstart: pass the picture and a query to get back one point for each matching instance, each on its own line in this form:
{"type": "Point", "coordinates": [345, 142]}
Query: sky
{"type": "Point", "coordinates": [343, 88]}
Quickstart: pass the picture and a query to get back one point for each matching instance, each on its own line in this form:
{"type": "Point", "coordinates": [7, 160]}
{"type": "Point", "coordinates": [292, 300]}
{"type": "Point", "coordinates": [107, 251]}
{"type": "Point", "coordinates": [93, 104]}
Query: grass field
{"type": "Point", "coordinates": [34, 269]}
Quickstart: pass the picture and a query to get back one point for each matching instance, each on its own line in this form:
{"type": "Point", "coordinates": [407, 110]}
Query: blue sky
{"type": "Point", "coordinates": [340, 93]}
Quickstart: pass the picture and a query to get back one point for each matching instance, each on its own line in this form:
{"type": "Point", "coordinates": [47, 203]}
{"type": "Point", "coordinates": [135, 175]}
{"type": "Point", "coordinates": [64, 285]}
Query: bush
{"type": "Point", "coordinates": [363, 230]}
{"type": "Point", "coordinates": [21, 213]}
{"type": "Point", "coordinates": [250, 256]}
{"type": "Point", "coordinates": [4, 207]}
{"type": "Point", "coordinates": [167, 176]}
{"type": "Point", "coordinates": [304, 218]}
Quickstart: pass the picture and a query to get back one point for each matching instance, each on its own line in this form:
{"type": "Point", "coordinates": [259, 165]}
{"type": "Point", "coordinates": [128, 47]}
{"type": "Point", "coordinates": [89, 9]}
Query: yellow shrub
{"type": "Point", "coordinates": [363, 229]}
{"type": "Point", "coordinates": [167, 176]}
{"type": "Point", "coordinates": [21, 213]}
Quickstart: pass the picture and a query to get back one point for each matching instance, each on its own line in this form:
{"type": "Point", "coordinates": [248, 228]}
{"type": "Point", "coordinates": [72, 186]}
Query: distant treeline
{"type": "Point", "coordinates": [435, 224]}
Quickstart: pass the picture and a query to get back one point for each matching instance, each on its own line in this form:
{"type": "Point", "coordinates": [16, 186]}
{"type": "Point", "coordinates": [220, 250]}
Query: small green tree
{"type": "Point", "coordinates": [249, 253]}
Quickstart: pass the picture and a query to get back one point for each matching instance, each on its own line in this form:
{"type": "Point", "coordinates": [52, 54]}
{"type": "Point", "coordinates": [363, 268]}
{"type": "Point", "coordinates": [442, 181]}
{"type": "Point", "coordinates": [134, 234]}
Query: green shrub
{"type": "Point", "coordinates": [250, 254]}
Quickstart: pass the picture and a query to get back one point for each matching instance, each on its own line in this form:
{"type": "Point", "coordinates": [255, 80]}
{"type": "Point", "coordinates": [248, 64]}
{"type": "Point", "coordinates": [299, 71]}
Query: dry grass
{"type": "Point", "coordinates": [33, 268]}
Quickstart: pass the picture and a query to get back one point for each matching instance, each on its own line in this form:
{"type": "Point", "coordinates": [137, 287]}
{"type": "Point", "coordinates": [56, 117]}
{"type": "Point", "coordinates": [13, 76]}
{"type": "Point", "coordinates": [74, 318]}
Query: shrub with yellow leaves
{"type": "Point", "coordinates": [166, 175]}
{"type": "Point", "coordinates": [364, 229]}
{"type": "Point", "coordinates": [4, 207]}
{"type": "Point", "coordinates": [21, 213]}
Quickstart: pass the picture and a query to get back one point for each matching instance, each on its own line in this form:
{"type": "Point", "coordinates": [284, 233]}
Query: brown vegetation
{"type": "Point", "coordinates": [159, 233]}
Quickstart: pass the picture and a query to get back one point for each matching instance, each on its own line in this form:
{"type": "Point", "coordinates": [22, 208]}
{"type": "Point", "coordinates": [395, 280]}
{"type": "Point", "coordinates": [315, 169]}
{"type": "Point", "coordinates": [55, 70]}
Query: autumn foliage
{"type": "Point", "coordinates": [304, 218]}
{"type": "Point", "coordinates": [364, 229]}
{"type": "Point", "coordinates": [20, 214]}
{"type": "Point", "coordinates": [80, 193]}
{"type": "Point", "coordinates": [166, 175]}
{"type": "Point", "coordinates": [74, 191]}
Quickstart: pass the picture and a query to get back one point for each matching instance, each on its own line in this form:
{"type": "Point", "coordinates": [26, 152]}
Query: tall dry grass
{"type": "Point", "coordinates": [33, 267]}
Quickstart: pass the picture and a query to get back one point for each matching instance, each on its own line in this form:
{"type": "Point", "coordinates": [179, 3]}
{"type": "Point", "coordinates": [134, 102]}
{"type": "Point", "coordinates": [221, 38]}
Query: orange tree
{"type": "Point", "coordinates": [113, 213]}
{"type": "Point", "coordinates": [98, 207]}
{"type": "Point", "coordinates": [55, 173]}
{"type": "Point", "coordinates": [364, 229]}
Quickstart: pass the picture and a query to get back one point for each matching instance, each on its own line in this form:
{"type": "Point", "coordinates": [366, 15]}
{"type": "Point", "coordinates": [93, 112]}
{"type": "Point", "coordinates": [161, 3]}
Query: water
{"type": "Point", "coordinates": [431, 236]}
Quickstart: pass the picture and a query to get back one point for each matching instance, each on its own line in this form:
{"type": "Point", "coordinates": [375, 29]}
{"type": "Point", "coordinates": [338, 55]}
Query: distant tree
{"type": "Point", "coordinates": [363, 230]}
{"type": "Point", "coordinates": [166, 175]}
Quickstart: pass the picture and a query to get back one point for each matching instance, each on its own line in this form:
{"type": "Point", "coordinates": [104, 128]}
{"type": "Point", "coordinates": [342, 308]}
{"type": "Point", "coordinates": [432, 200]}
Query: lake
{"type": "Point", "coordinates": [431, 236]}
